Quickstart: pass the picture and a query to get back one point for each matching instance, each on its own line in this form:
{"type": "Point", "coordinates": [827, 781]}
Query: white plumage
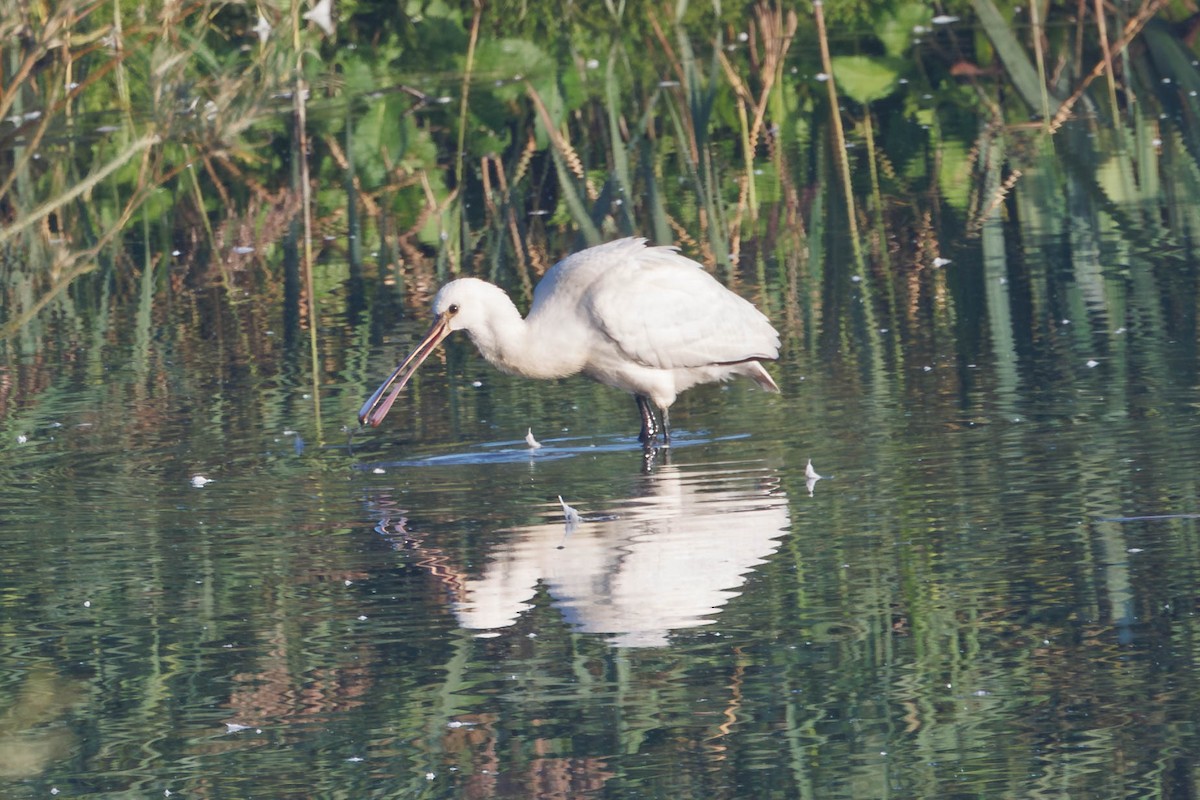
{"type": "Point", "coordinates": [643, 319]}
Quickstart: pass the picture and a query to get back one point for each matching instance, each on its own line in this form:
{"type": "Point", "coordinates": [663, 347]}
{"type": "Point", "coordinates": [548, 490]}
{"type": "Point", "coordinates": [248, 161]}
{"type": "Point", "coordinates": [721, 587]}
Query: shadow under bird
{"type": "Point", "coordinates": [643, 319]}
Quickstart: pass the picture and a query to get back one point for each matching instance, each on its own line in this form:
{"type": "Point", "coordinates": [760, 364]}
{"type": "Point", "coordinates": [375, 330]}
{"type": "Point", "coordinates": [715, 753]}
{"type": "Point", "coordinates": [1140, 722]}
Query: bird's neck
{"type": "Point", "coordinates": [518, 347]}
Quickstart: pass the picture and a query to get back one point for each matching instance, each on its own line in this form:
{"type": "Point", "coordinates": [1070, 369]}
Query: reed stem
{"type": "Point", "coordinates": [458, 243]}
{"type": "Point", "coordinates": [300, 100]}
{"type": "Point", "coordinates": [839, 134]}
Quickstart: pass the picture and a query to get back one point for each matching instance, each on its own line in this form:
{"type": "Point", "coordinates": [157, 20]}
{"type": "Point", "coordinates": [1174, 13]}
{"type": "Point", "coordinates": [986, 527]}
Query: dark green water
{"type": "Point", "coordinates": [992, 592]}
{"type": "Point", "coordinates": [214, 585]}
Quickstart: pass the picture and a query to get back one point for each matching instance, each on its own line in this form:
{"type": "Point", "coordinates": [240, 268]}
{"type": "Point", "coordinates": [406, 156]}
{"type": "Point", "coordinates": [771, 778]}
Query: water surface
{"type": "Point", "coordinates": [991, 591]}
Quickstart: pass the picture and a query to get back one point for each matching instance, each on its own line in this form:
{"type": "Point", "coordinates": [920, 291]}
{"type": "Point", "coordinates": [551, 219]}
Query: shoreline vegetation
{"type": "Point", "coordinates": [283, 155]}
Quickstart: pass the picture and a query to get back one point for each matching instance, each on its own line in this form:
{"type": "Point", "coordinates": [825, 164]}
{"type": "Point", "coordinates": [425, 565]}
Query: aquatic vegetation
{"type": "Point", "coordinates": [217, 145]}
{"type": "Point", "coordinates": [973, 227]}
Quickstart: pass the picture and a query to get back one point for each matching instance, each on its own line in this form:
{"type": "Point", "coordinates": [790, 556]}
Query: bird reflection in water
{"type": "Point", "coordinates": [664, 560]}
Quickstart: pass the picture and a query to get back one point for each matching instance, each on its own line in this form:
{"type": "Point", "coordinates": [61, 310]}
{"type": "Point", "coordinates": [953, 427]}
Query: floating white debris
{"type": "Point", "coordinates": [430, 776]}
{"type": "Point", "coordinates": [533, 443]}
{"type": "Point", "coordinates": [941, 262]}
{"type": "Point", "coordinates": [87, 603]}
{"type": "Point", "coordinates": [243, 250]}
{"type": "Point", "coordinates": [1091, 362]}
{"type": "Point", "coordinates": [22, 439]}
{"type": "Point", "coordinates": [233, 727]}
{"type": "Point", "coordinates": [321, 15]}
{"type": "Point", "coordinates": [943, 19]}
{"type": "Point", "coordinates": [571, 514]}
{"type": "Point", "coordinates": [379, 470]}
{"type": "Point", "coordinates": [477, 384]}
{"type": "Point", "coordinates": [199, 481]}
{"type": "Point", "coordinates": [593, 63]}
{"type": "Point", "coordinates": [810, 478]}
{"type": "Point", "coordinates": [822, 76]}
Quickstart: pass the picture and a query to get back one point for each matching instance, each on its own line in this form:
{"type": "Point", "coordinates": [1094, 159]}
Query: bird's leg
{"type": "Point", "coordinates": [649, 427]}
{"type": "Point", "coordinates": [666, 427]}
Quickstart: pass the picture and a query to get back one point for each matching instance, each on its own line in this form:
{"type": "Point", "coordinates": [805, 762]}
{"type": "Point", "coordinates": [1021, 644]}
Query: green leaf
{"type": "Point", "coordinates": [896, 29]}
{"type": "Point", "coordinates": [507, 63]}
{"type": "Point", "coordinates": [866, 79]}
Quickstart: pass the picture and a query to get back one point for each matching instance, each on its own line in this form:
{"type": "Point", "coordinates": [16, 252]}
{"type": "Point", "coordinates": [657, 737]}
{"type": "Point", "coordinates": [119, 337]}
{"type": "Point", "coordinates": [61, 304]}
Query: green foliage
{"type": "Point", "coordinates": [615, 117]}
{"type": "Point", "coordinates": [866, 78]}
{"type": "Point", "coordinates": [895, 27]}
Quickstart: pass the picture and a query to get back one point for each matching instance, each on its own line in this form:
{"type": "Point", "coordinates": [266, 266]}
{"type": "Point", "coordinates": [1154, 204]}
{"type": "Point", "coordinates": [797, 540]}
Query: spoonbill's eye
{"type": "Point", "coordinates": [453, 309]}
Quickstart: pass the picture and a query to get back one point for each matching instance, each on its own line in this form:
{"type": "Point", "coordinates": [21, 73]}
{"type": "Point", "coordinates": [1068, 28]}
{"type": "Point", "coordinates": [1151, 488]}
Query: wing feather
{"type": "Point", "coordinates": [663, 310]}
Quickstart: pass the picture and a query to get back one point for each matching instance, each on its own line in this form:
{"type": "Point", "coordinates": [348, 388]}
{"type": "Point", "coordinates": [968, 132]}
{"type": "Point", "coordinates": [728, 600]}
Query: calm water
{"type": "Point", "coordinates": [992, 592]}
{"type": "Point", "coordinates": [214, 585]}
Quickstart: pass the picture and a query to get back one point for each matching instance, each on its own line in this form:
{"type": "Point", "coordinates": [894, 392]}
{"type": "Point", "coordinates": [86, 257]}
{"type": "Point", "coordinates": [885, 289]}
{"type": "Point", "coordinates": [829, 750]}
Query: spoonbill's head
{"type": "Point", "coordinates": [465, 304]}
{"type": "Point", "coordinates": [459, 305]}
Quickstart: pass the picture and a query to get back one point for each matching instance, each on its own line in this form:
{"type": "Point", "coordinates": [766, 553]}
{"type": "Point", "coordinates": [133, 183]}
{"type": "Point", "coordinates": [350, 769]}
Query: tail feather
{"type": "Point", "coordinates": [757, 373]}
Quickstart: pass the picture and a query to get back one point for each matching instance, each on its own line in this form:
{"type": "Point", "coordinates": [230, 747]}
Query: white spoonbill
{"type": "Point", "coordinates": [644, 319]}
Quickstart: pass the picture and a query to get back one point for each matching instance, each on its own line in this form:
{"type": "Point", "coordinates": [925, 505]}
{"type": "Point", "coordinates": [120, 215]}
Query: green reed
{"type": "Point", "coordinates": [473, 138]}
